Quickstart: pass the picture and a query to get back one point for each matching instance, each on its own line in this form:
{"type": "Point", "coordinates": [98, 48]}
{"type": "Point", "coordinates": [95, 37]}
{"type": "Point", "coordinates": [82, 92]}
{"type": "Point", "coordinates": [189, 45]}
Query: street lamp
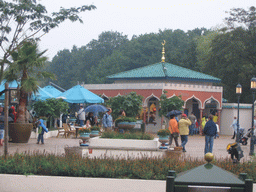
{"type": "Point", "coordinates": [238, 92]}
{"type": "Point", "coordinates": [253, 88]}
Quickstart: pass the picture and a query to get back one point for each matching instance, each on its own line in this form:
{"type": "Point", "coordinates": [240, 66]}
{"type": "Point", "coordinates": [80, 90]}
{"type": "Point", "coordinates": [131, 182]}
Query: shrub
{"type": "Point", "coordinates": [130, 103]}
{"type": "Point", "coordinates": [125, 119]}
{"type": "Point", "coordinates": [115, 135]}
{"type": "Point", "coordinates": [163, 132]}
{"type": "Point", "coordinates": [144, 168]}
{"type": "Point", "coordinates": [95, 128]}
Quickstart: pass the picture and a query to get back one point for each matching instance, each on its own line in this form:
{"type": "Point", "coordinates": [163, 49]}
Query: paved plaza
{"type": "Point", "coordinates": [14, 183]}
{"type": "Point", "coordinates": [194, 147]}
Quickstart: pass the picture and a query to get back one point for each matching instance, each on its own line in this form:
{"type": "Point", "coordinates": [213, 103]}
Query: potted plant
{"type": "Point", "coordinates": [126, 122]}
{"type": "Point", "coordinates": [163, 135]}
{"type": "Point", "coordinates": [95, 131]}
{"type": "Point", "coordinates": [27, 69]}
{"type": "Point", "coordinates": [84, 135]}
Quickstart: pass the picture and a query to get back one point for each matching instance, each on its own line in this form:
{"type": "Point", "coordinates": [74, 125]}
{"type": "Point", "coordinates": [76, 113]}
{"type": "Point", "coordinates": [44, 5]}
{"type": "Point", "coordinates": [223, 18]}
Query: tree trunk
{"type": "Point", "coordinates": [22, 107]}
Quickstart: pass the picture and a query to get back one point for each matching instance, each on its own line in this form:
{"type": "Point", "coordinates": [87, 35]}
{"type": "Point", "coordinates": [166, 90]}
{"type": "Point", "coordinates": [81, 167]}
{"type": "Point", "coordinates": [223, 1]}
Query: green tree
{"type": "Point", "coordinates": [111, 65]}
{"type": "Point", "coordinates": [169, 104]}
{"type": "Point", "coordinates": [26, 62]}
{"type": "Point", "coordinates": [229, 54]}
{"type": "Point", "coordinates": [21, 20]}
{"type": "Point", "coordinates": [130, 103]}
{"type": "Point", "coordinates": [50, 107]}
{"type": "Point", "coordinates": [86, 64]}
{"type": "Point", "coordinates": [113, 53]}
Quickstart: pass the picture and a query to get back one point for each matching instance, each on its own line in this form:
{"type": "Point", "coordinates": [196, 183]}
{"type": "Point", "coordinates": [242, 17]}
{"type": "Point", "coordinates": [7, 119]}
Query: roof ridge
{"type": "Point", "coordinates": [133, 69]}
{"type": "Point", "coordinates": [164, 70]}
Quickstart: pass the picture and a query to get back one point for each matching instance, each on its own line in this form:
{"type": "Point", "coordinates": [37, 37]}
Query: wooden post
{"type": "Point", "coordinates": [6, 114]}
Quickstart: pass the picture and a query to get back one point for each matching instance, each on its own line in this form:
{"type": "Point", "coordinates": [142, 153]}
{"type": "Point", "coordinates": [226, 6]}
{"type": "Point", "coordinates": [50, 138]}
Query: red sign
{"type": "Point", "coordinates": [90, 151]}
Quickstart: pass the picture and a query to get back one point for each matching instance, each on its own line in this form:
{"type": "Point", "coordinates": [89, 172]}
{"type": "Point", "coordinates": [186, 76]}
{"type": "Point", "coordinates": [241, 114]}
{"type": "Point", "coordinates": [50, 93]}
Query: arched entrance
{"type": "Point", "coordinates": [153, 121]}
{"type": "Point", "coordinates": [103, 96]}
{"type": "Point", "coordinates": [193, 105]}
{"type": "Point", "coordinates": [211, 106]}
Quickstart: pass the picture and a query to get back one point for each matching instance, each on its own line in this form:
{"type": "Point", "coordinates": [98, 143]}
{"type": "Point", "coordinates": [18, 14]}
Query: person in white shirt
{"type": "Point", "coordinates": [81, 116]}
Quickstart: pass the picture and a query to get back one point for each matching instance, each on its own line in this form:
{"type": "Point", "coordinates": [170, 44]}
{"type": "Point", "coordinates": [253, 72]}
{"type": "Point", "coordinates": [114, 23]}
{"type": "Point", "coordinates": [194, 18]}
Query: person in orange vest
{"type": "Point", "coordinates": [173, 127]}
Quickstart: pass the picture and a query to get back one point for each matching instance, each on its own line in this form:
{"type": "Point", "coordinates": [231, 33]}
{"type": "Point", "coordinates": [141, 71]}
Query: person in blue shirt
{"type": "Point", "coordinates": [210, 131]}
{"type": "Point", "coordinates": [107, 120]}
{"type": "Point", "coordinates": [41, 130]}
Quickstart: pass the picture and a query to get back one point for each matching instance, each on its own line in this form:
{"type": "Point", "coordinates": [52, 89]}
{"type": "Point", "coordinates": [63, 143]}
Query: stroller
{"type": "Point", "coordinates": [235, 151]}
{"type": "Point", "coordinates": [244, 136]}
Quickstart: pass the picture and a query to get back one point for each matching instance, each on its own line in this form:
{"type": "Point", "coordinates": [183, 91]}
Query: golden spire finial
{"type": "Point", "coordinates": [163, 52]}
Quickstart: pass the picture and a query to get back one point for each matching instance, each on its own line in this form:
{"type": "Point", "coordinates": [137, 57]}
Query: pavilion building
{"type": "Point", "coordinates": [196, 89]}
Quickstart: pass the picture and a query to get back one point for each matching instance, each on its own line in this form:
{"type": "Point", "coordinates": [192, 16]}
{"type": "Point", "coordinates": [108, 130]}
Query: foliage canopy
{"type": "Point", "coordinates": [130, 103]}
{"type": "Point", "coordinates": [169, 104]}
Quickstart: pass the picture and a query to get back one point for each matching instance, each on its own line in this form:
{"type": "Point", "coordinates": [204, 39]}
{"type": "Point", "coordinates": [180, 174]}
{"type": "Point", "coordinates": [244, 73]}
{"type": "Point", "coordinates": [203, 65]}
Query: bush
{"type": "Point", "coordinates": [95, 128]}
{"type": "Point", "coordinates": [144, 168]}
{"type": "Point", "coordinates": [125, 119]}
{"type": "Point", "coordinates": [163, 132]}
{"type": "Point", "coordinates": [130, 103]}
{"type": "Point", "coordinates": [115, 135]}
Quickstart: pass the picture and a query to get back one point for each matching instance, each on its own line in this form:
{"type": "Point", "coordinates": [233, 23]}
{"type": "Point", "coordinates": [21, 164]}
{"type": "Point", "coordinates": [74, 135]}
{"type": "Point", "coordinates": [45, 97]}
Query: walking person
{"type": "Point", "coordinates": [107, 120]}
{"type": "Point", "coordinates": [234, 126]}
{"type": "Point", "coordinates": [173, 128]}
{"type": "Point", "coordinates": [192, 118]}
{"type": "Point", "coordinates": [81, 116]}
{"type": "Point", "coordinates": [184, 124]}
{"type": "Point", "coordinates": [210, 131]}
{"type": "Point", "coordinates": [41, 130]}
{"type": "Point", "coordinates": [218, 131]}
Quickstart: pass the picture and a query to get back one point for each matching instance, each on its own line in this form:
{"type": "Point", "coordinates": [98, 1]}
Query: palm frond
{"type": "Point", "coordinates": [29, 85]}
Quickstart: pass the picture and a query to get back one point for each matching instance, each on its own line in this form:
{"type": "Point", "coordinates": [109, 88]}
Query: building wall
{"type": "Point", "coordinates": [161, 81]}
{"type": "Point", "coordinates": [187, 91]}
{"type": "Point", "coordinates": [229, 111]}
{"type": "Point", "coordinates": [202, 97]}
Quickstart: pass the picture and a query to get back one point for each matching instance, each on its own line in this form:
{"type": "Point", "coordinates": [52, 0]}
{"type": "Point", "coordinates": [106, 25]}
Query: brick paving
{"type": "Point", "coordinates": [194, 147]}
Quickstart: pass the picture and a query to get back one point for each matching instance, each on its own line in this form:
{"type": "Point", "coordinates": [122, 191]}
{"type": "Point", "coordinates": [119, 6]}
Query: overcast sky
{"type": "Point", "coordinates": [134, 18]}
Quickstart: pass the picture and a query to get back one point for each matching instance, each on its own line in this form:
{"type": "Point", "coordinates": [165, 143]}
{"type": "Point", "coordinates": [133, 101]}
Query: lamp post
{"type": "Point", "coordinates": [238, 92]}
{"type": "Point", "coordinates": [253, 88]}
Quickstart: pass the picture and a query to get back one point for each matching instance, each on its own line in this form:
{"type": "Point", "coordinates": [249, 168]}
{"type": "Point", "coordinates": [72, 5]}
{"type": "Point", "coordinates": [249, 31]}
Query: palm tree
{"type": "Point", "coordinates": [26, 69]}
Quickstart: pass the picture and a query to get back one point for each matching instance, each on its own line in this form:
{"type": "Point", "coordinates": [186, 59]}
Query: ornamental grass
{"type": "Point", "coordinates": [144, 168]}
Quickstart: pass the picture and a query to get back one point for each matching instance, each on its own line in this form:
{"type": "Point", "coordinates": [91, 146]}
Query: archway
{"type": "Point", "coordinates": [153, 121]}
{"type": "Point", "coordinates": [104, 97]}
{"type": "Point", "coordinates": [193, 104]}
{"type": "Point", "coordinates": [211, 106]}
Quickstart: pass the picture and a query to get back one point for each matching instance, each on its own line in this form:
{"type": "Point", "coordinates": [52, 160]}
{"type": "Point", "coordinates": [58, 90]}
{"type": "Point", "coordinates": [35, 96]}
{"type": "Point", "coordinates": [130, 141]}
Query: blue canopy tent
{"type": "Point", "coordinates": [41, 95]}
{"type": "Point", "coordinates": [79, 94]}
{"type": "Point", "coordinates": [12, 85]}
{"type": "Point", "coordinates": [52, 90]}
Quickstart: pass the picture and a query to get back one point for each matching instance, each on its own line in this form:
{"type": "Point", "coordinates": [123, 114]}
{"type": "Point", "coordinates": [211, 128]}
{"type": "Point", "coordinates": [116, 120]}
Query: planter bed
{"type": "Point", "coordinates": [91, 152]}
{"type": "Point", "coordinates": [124, 143]}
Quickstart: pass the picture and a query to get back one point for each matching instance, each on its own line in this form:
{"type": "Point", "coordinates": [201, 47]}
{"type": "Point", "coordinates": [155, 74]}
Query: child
{"type": "Point", "coordinates": [88, 125]}
{"type": "Point", "coordinates": [41, 130]}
